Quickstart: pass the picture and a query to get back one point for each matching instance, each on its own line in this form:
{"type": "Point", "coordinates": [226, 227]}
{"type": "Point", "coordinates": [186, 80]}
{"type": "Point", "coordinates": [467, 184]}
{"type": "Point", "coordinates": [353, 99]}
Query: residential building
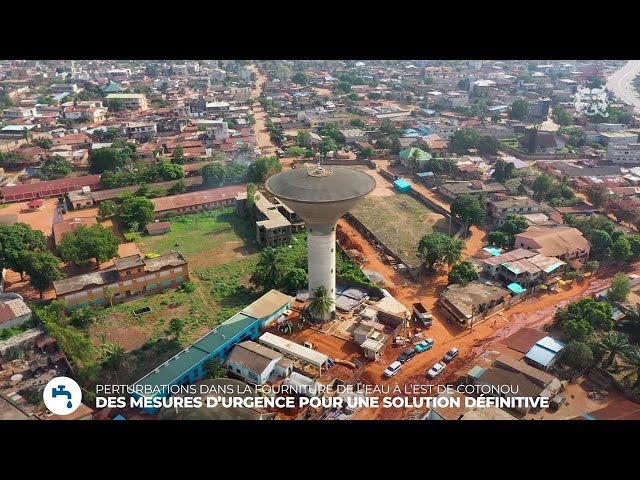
{"type": "Point", "coordinates": [521, 266]}
{"type": "Point", "coordinates": [617, 137]}
{"type": "Point", "coordinates": [19, 113]}
{"type": "Point", "coordinates": [171, 126]}
{"type": "Point", "coordinates": [321, 120]}
{"type": "Point", "coordinates": [187, 366]}
{"type": "Point", "coordinates": [545, 353]}
{"type": "Point", "coordinates": [114, 193]}
{"type": "Point", "coordinates": [92, 114]}
{"type": "Point", "coordinates": [140, 130]}
{"type": "Point", "coordinates": [304, 355]}
{"type": "Point", "coordinates": [456, 99]}
{"type": "Point", "coordinates": [130, 277]}
{"type": "Point", "coordinates": [410, 156]}
{"type": "Point", "coordinates": [474, 187]}
{"type": "Point", "coordinates": [217, 108]}
{"type": "Point", "coordinates": [131, 101]}
{"type": "Point", "coordinates": [15, 131]}
{"type": "Point", "coordinates": [443, 130]}
{"type": "Point", "coordinates": [50, 188]}
{"type": "Point", "coordinates": [13, 311]}
{"type": "Point", "coordinates": [275, 222]}
{"type": "Point", "coordinates": [565, 243]}
{"type": "Point", "coordinates": [469, 304]}
{"type": "Point", "coordinates": [257, 364]}
{"type": "Point", "coordinates": [70, 225]}
{"type": "Point", "coordinates": [624, 154]}
{"type": "Point", "coordinates": [80, 199]}
{"type": "Point", "coordinates": [539, 109]}
{"type": "Point", "coordinates": [65, 87]}
{"type": "Point", "coordinates": [499, 209]}
{"type": "Point", "coordinates": [353, 135]}
{"type": "Point", "coordinates": [196, 201]}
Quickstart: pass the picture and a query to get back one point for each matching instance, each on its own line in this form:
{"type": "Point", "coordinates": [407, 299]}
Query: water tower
{"type": "Point", "coordinates": [321, 196]}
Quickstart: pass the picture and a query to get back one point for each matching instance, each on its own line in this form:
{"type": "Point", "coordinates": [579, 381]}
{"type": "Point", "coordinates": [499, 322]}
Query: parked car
{"type": "Point", "coordinates": [424, 345]}
{"type": "Point", "coordinates": [392, 369]}
{"type": "Point", "coordinates": [436, 370]}
{"type": "Point", "coordinates": [407, 355]}
{"type": "Point", "coordinates": [450, 355]}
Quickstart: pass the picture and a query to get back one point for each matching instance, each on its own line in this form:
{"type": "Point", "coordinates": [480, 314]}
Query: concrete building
{"type": "Point", "coordinates": [474, 187]}
{"type": "Point", "coordinates": [500, 208]}
{"type": "Point", "coordinates": [158, 228]}
{"type": "Point", "coordinates": [51, 188]}
{"type": "Point", "coordinates": [353, 135]}
{"type": "Point", "coordinates": [321, 196]}
{"type": "Point", "coordinates": [257, 364]}
{"type": "Point", "coordinates": [131, 101]}
{"type": "Point", "coordinates": [306, 356]}
{"type": "Point", "coordinates": [565, 243]}
{"type": "Point", "coordinates": [470, 304]}
{"type": "Point", "coordinates": [19, 113]}
{"type": "Point", "coordinates": [187, 366]}
{"type": "Point", "coordinates": [624, 154]}
{"type": "Point", "coordinates": [539, 109]}
{"type": "Point", "coordinates": [142, 129]}
{"type": "Point", "coordinates": [521, 266]}
{"type": "Point", "coordinates": [620, 138]}
{"type": "Point", "coordinates": [186, 203]}
{"type": "Point", "coordinates": [13, 311]}
{"type": "Point", "coordinates": [64, 87]}
{"type": "Point", "coordinates": [130, 277]}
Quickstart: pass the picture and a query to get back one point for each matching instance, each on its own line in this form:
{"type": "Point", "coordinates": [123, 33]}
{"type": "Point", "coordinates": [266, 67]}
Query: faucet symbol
{"type": "Point", "coordinates": [60, 391]}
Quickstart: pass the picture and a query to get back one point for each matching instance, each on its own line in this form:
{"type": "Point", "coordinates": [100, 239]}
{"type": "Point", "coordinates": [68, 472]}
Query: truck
{"type": "Point", "coordinates": [421, 315]}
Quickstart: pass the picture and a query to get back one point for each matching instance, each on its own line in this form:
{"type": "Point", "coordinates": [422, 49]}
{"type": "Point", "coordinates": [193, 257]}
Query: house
{"type": "Point", "coordinates": [171, 126]}
{"type": "Point", "coordinates": [306, 356]}
{"type": "Point", "coordinates": [469, 304]}
{"type": "Point", "coordinates": [565, 243]}
{"type": "Point", "coordinates": [91, 114]}
{"type": "Point", "coordinates": [499, 209]}
{"type": "Point", "coordinates": [546, 142]}
{"type": "Point", "coordinates": [407, 158]}
{"type": "Point", "coordinates": [15, 131]}
{"type": "Point", "coordinates": [443, 130]}
{"type": "Point", "coordinates": [624, 154]}
{"type": "Point", "coordinates": [620, 138]}
{"type": "Point", "coordinates": [539, 109]}
{"type": "Point", "coordinates": [257, 364]}
{"type": "Point", "coordinates": [129, 278]}
{"type": "Point", "coordinates": [13, 311]}
{"type": "Point", "coordinates": [521, 266]}
{"type": "Point", "coordinates": [158, 228]}
{"type": "Point", "coordinates": [131, 101]}
{"type": "Point", "coordinates": [65, 87]}
{"type": "Point", "coordinates": [70, 225]}
{"type": "Point", "coordinates": [112, 87]}
{"type": "Point", "coordinates": [188, 365]}
{"type": "Point", "coordinates": [17, 193]}
{"type": "Point", "coordinates": [475, 187]}
{"type": "Point", "coordinates": [80, 199]}
{"type": "Point", "coordinates": [353, 135]}
{"type": "Point", "coordinates": [141, 129]}
{"type": "Point", "coordinates": [76, 141]}
{"type": "Point", "coordinates": [19, 113]}
{"type": "Point", "coordinates": [545, 353]}
{"type": "Point", "coordinates": [275, 222]}
{"type": "Point", "coordinates": [196, 201]}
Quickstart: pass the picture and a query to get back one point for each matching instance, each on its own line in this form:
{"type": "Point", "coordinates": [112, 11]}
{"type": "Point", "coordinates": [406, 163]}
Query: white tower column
{"type": "Point", "coordinates": [321, 240]}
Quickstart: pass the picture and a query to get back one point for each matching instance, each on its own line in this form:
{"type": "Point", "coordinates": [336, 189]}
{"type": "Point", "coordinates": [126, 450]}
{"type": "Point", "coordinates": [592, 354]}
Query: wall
{"type": "Point", "coordinates": [21, 342]}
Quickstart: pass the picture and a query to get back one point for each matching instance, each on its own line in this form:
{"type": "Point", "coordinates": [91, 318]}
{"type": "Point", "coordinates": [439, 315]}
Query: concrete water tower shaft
{"type": "Point", "coordinates": [321, 196]}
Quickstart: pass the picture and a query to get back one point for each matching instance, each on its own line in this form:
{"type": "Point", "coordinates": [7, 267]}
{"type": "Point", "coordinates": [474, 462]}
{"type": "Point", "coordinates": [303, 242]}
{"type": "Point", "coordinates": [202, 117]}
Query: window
{"type": "Point", "coordinates": [164, 273]}
{"type": "Point", "coordinates": [81, 294]}
{"type": "Point", "coordinates": [238, 370]}
{"type": "Point", "coordinates": [230, 367]}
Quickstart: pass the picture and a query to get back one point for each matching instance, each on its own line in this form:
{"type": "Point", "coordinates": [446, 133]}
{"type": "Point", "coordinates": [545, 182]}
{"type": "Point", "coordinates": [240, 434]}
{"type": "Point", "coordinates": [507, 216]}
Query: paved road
{"type": "Point", "coordinates": [621, 84]}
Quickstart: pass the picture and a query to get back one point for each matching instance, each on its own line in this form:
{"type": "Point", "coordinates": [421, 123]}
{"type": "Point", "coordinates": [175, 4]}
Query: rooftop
{"type": "Point", "coordinates": [555, 241]}
{"type": "Point", "coordinates": [70, 225]}
{"type": "Point", "coordinates": [253, 356]}
{"type": "Point", "coordinates": [270, 302]}
{"type": "Point", "coordinates": [196, 198]}
{"type": "Point", "coordinates": [287, 346]}
{"type": "Point", "coordinates": [465, 298]}
{"type": "Point", "coordinates": [131, 261]}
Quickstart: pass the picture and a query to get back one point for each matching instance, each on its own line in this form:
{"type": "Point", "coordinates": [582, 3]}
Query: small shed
{"type": "Point", "coordinates": [159, 228]}
{"type": "Point", "coordinates": [402, 185]}
{"type": "Point", "coordinates": [34, 204]}
{"type": "Point", "coordinates": [544, 353]}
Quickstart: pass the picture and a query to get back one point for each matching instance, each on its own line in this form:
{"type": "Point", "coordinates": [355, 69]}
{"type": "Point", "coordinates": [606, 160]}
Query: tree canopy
{"type": "Point", "coordinates": [503, 171]}
{"type": "Point", "coordinates": [434, 247]}
{"type": "Point", "coordinates": [468, 209]}
{"type": "Point", "coordinates": [620, 288]}
{"type": "Point", "coordinates": [463, 273]}
{"type": "Point", "coordinates": [85, 243]}
{"type": "Point", "coordinates": [580, 319]}
{"type": "Point", "coordinates": [42, 268]}
{"type": "Point", "coordinates": [136, 210]}
{"type": "Point", "coordinates": [14, 241]}
{"type": "Point", "coordinates": [519, 109]}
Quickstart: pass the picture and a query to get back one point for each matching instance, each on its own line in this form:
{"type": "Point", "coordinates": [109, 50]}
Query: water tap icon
{"type": "Point", "coordinates": [60, 391]}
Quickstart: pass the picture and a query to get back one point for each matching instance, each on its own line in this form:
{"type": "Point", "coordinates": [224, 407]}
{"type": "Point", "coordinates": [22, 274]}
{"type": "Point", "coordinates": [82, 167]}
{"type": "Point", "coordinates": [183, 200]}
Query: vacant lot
{"type": "Point", "coordinates": [399, 221]}
{"type": "Point", "coordinates": [206, 238]}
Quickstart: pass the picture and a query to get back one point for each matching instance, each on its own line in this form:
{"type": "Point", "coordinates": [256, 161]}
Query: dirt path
{"type": "Point", "coordinates": [262, 135]}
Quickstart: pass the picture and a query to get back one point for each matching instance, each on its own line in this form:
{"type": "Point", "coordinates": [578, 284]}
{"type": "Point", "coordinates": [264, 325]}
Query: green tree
{"type": "Point", "coordinates": [621, 250]}
{"type": "Point", "coordinates": [82, 318]}
{"type": "Point", "coordinates": [43, 142]}
{"type": "Point", "coordinates": [169, 171]}
{"type": "Point", "coordinates": [577, 330]}
{"type": "Point", "coordinates": [519, 110]}
{"type": "Point", "coordinates": [368, 151]}
{"type": "Point", "coordinates": [214, 369]}
{"type": "Point", "coordinates": [597, 195]}
{"type": "Point", "coordinates": [108, 158]}
{"type": "Point", "coordinates": [357, 122]}
{"type": "Point", "coordinates": [296, 280]}
{"type": "Point", "coordinates": [464, 139]}
{"type": "Point", "coordinates": [452, 253]}
{"type": "Point", "coordinates": [594, 314]}
{"type": "Point", "coordinates": [542, 185]}
{"type": "Point", "coordinates": [303, 139]}
{"type": "Point", "coordinates": [514, 224]}
{"type": "Point", "coordinates": [328, 145]}
{"type": "Point", "coordinates": [632, 360]}
{"type": "Point", "coordinates": [463, 273]}
{"type": "Point", "coordinates": [176, 327]}
{"type": "Point", "coordinates": [283, 72]}
{"type": "Point", "coordinates": [320, 304]}
{"type": "Point", "coordinates": [269, 270]}
{"type": "Point", "coordinates": [54, 167]}
{"type": "Point", "coordinates": [592, 266]}
{"type": "Point", "coordinates": [136, 210]}
{"type": "Point", "coordinates": [214, 175]}
{"type": "Point", "coordinates": [252, 194]}
{"type": "Point", "coordinates": [42, 268]}
{"type": "Point", "coordinates": [600, 243]}
{"type": "Point", "coordinates": [14, 241]}
{"type": "Point", "coordinates": [503, 171]}
{"type": "Point", "coordinates": [76, 346]}
{"type": "Point", "coordinates": [262, 168]}
{"type": "Point", "coordinates": [500, 239]}
{"type": "Point", "coordinates": [177, 188]}
{"type": "Point", "coordinates": [561, 116]}
{"type": "Point", "coordinates": [177, 156]}
{"type": "Point", "coordinates": [577, 355]}
{"type": "Point", "coordinates": [300, 78]}
{"type": "Point", "coordinates": [464, 84]}
{"type": "Point", "coordinates": [613, 343]}
{"type": "Point", "coordinates": [107, 209]}
{"type": "Point", "coordinates": [433, 247]}
{"type": "Point", "coordinates": [85, 243]}
{"type": "Point", "coordinates": [467, 209]}
{"type": "Point", "coordinates": [113, 357]}
{"type": "Point", "coordinates": [151, 71]}
{"type": "Point", "coordinates": [619, 289]}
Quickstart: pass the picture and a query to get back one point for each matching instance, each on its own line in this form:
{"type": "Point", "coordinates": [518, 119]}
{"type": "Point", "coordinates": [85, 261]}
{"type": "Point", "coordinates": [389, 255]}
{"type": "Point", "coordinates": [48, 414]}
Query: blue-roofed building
{"type": "Point", "coordinates": [544, 353]}
{"type": "Point", "coordinates": [402, 185]}
{"type": "Point", "coordinates": [60, 97]}
{"type": "Point", "coordinates": [187, 366]}
{"type": "Point", "coordinates": [516, 288]}
{"type": "Point", "coordinates": [498, 109]}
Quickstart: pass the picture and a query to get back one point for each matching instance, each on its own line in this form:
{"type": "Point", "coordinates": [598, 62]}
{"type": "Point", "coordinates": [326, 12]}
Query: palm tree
{"type": "Point", "coordinates": [270, 263]}
{"type": "Point", "coordinates": [633, 316]}
{"type": "Point", "coordinates": [615, 343]}
{"type": "Point", "coordinates": [113, 357]}
{"type": "Point", "coordinates": [321, 303]}
{"type": "Point", "coordinates": [632, 360]}
{"type": "Point", "coordinates": [413, 160]}
{"type": "Point", "coordinates": [246, 148]}
{"type": "Point", "coordinates": [453, 252]}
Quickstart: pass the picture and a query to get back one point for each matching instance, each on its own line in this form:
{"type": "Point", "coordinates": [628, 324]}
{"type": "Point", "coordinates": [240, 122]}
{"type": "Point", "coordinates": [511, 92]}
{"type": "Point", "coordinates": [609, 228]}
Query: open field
{"type": "Point", "coordinates": [206, 238]}
{"type": "Point", "coordinates": [399, 221]}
